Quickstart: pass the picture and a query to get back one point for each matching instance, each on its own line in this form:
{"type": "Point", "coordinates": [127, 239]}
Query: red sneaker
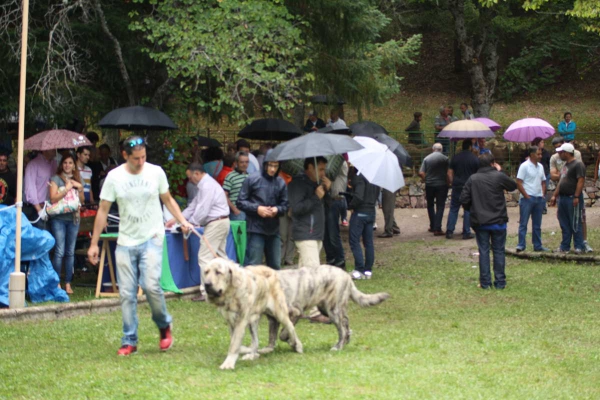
{"type": "Point", "coordinates": [166, 338]}
{"type": "Point", "coordinates": [127, 350]}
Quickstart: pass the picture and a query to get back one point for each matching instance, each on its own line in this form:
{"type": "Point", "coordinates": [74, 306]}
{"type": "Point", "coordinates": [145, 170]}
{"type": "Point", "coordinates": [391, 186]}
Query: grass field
{"type": "Point", "coordinates": [437, 337]}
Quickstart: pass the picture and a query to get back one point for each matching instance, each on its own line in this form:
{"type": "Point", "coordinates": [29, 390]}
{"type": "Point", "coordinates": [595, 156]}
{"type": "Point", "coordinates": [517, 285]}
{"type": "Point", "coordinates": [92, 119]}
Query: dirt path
{"type": "Point", "coordinates": [414, 224]}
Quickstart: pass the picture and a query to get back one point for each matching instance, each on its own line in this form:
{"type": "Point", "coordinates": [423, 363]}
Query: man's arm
{"type": "Point", "coordinates": [465, 195]}
{"type": "Point", "coordinates": [578, 190]}
{"type": "Point", "coordinates": [31, 195]}
{"type": "Point", "coordinates": [450, 176]}
{"type": "Point", "coordinates": [232, 206]}
{"type": "Point", "coordinates": [299, 203]}
{"type": "Point", "coordinates": [283, 202]}
{"type": "Point", "coordinates": [521, 188]}
{"type": "Point", "coordinates": [508, 184]}
{"type": "Point", "coordinates": [243, 202]}
{"type": "Point", "coordinates": [99, 225]}
{"type": "Point", "coordinates": [174, 209]}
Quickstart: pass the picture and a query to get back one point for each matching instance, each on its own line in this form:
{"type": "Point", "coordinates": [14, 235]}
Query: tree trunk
{"type": "Point", "coordinates": [479, 55]}
{"type": "Point", "coordinates": [119, 54]}
{"type": "Point", "coordinates": [458, 67]}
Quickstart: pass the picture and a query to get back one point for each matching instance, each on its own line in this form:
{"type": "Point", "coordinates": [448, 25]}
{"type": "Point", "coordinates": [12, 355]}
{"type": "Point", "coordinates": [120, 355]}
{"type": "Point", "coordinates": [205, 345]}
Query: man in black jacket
{"type": "Point", "coordinates": [361, 225]}
{"type": "Point", "coordinates": [308, 213]}
{"type": "Point", "coordinates": [313, 123]}
{"type": "Point", "coordinates": [483, 195]}
{"type": "Point", "coordinates": [8, 181]}
{"type": "Point", "coordinates": [264, 199]}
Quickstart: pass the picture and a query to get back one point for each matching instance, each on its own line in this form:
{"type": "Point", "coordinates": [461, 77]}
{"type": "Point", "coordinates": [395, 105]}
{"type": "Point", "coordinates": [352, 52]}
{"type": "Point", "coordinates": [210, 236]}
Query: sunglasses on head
{"type": "Point", "coordinates": [135, 142]}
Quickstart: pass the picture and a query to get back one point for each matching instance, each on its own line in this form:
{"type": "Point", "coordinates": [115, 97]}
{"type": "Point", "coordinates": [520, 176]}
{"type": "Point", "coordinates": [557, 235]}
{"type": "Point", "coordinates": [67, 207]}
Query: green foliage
{"type": "Point", "coordinates": [230, 56]}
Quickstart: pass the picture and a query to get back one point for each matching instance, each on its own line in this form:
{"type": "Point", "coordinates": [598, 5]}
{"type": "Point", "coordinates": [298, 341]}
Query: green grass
{"type": "Point", "coordinates": [437, 337]}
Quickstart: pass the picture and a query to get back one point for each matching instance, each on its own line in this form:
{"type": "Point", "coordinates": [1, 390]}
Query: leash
{"type": "Point", "coordinates": [14, 205]}
{"type": "Point", "coordinates": [210, 248]}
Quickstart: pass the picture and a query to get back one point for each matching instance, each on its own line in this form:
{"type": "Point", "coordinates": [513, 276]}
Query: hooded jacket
{"type": "Point", "coordinates": [364, 195]}
{"type": "Point", "coordinates": [483, 195]}
{"type": "Point", "coordinates": [308, 212]}
{"type": "Point", "coordinates": [260, 189]}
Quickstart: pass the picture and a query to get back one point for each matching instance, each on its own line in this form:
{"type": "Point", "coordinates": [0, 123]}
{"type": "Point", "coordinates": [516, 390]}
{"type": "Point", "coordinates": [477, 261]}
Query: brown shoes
{"type": "Point", "coordinates": [199, 298]}
{"type": "Point", "coordinates": [320, 319]}
{"type": "Point", "coordinates": [439, 233]}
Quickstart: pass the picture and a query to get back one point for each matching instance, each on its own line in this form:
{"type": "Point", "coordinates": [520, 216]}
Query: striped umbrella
{"type": "Point", "coordinates": [466, 129]}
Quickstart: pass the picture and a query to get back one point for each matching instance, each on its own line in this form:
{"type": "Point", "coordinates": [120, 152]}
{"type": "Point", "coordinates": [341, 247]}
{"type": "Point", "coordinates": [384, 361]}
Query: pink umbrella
{"type": "Point", "coordinates": [56, 139]}
{"type": "Point", "coordinates": [493, 125]}
{"type": "Point", "coordinates": [528, 129]}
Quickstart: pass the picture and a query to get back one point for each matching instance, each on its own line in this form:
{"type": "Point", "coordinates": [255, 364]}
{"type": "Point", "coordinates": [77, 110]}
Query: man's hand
{"type": "Point", "coordinates": [552, 201]}
{"type": "Point", "coordinates": [575, 201]}
{"type": "Point", "coordinates": [320, 192]}
{"type": "Point", "coordinates": [186, 227]}
{"type": "Point", "coordinates": [236, 211]}
{"type": "Point", "coordinates": [264, 212]}
{"type": "Point", "coordinates": [314, 128]}
{"type": "Point", "coordinates": [93, 252]}
{"type": "Point", "coordinates": [274, 211]}
{"type": "Point", "coordinates": [326, 182]}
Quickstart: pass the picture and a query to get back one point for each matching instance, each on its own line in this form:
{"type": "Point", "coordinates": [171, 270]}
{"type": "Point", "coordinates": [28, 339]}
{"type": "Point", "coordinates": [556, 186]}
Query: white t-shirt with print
{"type": "Point", "coordinates": [138, 200]}
{"type": "Point", "coordinates": [86, 177]}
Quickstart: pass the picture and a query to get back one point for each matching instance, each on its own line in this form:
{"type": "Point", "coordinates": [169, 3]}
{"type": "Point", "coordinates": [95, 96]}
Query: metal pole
{"type": "Point", "coordinates": [16, 285]}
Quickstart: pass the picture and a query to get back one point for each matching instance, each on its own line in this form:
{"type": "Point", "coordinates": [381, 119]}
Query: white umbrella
{"type": "Point", "coordinates": [377, 164]}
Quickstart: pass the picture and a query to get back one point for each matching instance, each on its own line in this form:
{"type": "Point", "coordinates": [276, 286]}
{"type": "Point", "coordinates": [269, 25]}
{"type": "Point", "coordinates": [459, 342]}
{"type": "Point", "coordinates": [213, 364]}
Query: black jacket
{"type": "Point", "coordinates": [260, 189]}
{"type": "Point", "coordinates": [309, 125]}
{"type": "Point", "coordinates": [483, 195]}
{"type": "Point", "coordinates": [364, 195]}
{"type": "Point", "coordinates": [308, 212]}
{"type": "Point", "coordinates": [8, 188]}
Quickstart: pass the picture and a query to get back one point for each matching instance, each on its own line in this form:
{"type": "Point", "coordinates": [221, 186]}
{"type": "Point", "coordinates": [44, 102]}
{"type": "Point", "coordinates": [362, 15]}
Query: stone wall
{"type": "Point", "coordinates": [413, 194]}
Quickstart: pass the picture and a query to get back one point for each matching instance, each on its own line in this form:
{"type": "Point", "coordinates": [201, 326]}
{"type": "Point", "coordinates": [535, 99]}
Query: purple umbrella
{"type": "Point", "coordinates": [493, 125]}
{"type": "Point", "coordinates": [528, 129]}
{"type": "Point", "coordinates": [56, 139]}
{"type": "Point", "coordinates": [466, 129]}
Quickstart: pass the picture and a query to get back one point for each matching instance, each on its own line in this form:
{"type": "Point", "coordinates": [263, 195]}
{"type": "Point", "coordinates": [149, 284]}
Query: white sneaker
{"type": "Point", "coordinates": [588, 249]}
{"type": "Point", "coordinates": [368, 274]}
{"type": "Point", "coordinates": [375, 226]}
{"type": "Point", "coordinates": [356, 275]}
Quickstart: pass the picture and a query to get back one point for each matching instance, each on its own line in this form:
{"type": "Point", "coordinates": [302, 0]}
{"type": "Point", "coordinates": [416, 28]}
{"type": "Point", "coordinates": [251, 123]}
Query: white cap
{"type": "Point", "coordinates": [568, 147]}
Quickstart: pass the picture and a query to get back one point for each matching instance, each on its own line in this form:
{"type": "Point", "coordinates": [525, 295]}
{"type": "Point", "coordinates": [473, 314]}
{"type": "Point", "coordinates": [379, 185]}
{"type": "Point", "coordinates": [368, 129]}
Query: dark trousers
{"type": "Point", "coordinates": [332, 241]}
{"type": "Point", "coordinates": [453, 213]}
{"type": "Point", "coordinates": [269, 245]}
{"type": "Point", "coordinates": [570, 222]}
{"type": "Point", "coordinates": [437, 194]}
{"type": "Point", "coordinates": [361, 225]}
{"type": "Point", "coordinates": [388, 204]}
{"type": "Point", "coordinates": [497, 239]}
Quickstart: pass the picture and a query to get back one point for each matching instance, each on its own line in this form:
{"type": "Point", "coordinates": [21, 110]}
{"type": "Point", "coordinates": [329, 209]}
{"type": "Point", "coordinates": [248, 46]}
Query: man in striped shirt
{"type": "Point", "coordinates": [233, 185]}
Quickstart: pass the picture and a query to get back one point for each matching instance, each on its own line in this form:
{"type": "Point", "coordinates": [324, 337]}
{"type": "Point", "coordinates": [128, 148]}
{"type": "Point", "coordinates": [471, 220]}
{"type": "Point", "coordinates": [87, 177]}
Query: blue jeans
{"type": "Point", "coordinates": [240, 217]}
{"type": "Point", "coordinates": [436, 202]}
{"type": "Point", "coordinates": [141, 265]}
{"type": "Point", "coordinates": [332, 241]}
{"type": "Point", "coordinates": [65, 234]}
{"type": "Point", "coordinates": [534, 206]}
{"type": "Point", "coordinates": [453, 214]}
{"type": "Point", "coordinates": [570, 224]}
{"type": "Point", "coordinates": [269, 245]}
{"type": "Point", "coordinates": [498, 242]}
{"type": "Point", "coordinates": [361, 225]}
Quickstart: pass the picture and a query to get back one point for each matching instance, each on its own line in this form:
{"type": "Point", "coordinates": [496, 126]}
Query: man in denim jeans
{"type": "Point", "coordinates": [361, 225]}
{"type": "Point", "coordinates": [137, 186]}
{"type": "Point", "coordinates": [483, 195]}
{"type": "Point", "coordinates": [531, 182]}
{"type": "Point", "coordinates": [570, 200]}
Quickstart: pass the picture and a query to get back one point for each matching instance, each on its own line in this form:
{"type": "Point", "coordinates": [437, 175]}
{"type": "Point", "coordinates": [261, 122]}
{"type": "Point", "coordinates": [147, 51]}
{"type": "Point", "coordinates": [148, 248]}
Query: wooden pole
{"type": "Point", "coordinates": [17, 278]}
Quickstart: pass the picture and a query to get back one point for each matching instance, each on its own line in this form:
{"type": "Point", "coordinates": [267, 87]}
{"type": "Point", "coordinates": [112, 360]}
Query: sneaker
{"type": "Point", "coordinates": [542, 249]}
{"type": "Point", "coordinates": [344, 223]}
{"type": "Point", "coordinates": [468, 236]}
{"type": "Point", "coordinates": [356, 275]}
{"type": "Point", "coordinates": [561, 251]}
{"type": "Point", "coordinates": [578, 251]}
{"type": "Point", "coordinates": [518, 249]}
{"type": "Point", "coordinates": [127, 350]}
{"type": "Point", "coordinates": [375, 226]}
{"type": "Point", "coordinates": [166, 338]}
{"type": "Point", "coordinates": [588, 249]}
{"type": "Point", "coordinates": [368, 274]}
{"type": "Point", "coordinates": [449, 235]}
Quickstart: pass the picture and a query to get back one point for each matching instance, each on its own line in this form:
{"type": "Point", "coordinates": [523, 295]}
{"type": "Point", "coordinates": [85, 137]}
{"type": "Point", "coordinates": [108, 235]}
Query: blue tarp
{"type": "Point", "coordinates": [42, 281]}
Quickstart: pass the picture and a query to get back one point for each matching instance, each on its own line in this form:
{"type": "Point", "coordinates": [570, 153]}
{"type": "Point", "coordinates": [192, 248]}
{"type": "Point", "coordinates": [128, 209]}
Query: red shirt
{"type": "Point", "coordinates": [223, 174]}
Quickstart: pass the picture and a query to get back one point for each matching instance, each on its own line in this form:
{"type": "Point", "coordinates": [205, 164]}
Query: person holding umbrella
{"type": "Point", "coordinates": [37, 175]}
{"type": "Point", "coordinates": [462, 166]}
{"type": "Point", "coordinates": [313, 123]}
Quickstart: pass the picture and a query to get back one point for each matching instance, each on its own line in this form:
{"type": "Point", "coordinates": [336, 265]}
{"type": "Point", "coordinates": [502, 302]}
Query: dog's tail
{"type": "Point", "coordinates": [366, 300]}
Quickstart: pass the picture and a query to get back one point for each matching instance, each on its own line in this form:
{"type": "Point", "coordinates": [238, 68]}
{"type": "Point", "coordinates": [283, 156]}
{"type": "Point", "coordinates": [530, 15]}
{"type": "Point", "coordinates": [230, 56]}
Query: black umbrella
{"type": "Point", "coordinates": [395, 147]}
{"type": "Point", "coordinates": [270, 129]}
{"type": "Point", "coordinates": [328, 129]}
{"type": "Point", "coordinates": [137, 118]}
{"type": "Point", "coordinates": [204, 141]}
{"type": "Point", "coordinates": [367, 128]}
{"type": "Point", "coordinates": [323, 99]}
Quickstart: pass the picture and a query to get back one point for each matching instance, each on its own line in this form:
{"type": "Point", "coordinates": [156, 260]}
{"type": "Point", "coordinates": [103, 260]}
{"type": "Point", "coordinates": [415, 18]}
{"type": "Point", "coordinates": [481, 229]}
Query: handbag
{"type": "Point", "coordinates": [68, 204]}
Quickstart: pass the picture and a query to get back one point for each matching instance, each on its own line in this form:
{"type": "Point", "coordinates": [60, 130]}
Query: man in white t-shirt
{"type": "Point", "coordinates": [138, 187]}
{"type": "Point", "coordinates": [531, 182]}
{"type": "Point", "coordinates": [83, 157]}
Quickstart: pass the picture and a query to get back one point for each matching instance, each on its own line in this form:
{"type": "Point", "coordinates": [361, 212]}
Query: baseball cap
{"type": "Point", "coordinates": [568, 147]}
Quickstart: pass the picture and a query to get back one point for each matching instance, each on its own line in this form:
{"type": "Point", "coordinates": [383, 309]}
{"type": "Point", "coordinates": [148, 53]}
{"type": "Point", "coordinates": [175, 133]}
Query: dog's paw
{"type": "Point", "coordinates": [228, 364]}
{"type": "Point", "coordinates": [245, 350]}
{"type": "Point", "coordinates": [265, 350]}
{"type": "Point", "coordinates": [334, 348]}
{"type": "Point", "coordinates": [251, 357]}
{"type": "Point", "coordinates": [298, 347]}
